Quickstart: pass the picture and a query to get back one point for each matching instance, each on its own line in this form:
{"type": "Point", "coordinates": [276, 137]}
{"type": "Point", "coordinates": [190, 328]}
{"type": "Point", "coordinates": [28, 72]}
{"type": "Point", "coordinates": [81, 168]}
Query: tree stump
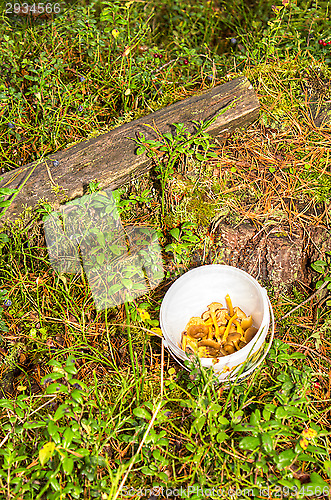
{"type": "Point", "coordinates": [274, 255]}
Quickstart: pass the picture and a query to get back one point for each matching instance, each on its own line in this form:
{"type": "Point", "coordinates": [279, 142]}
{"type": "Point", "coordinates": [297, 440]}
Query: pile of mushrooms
{"type": "Point", "coordinates": [219, 332]}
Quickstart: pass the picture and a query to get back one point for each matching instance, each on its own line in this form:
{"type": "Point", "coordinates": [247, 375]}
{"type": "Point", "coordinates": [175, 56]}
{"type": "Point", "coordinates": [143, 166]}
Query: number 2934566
{"type": "Point", "coordinates": [34, 9]}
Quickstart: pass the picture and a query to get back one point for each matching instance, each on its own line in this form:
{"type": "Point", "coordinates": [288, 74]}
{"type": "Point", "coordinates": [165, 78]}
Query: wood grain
{"type": "Point", "coordinates": [110, 158]}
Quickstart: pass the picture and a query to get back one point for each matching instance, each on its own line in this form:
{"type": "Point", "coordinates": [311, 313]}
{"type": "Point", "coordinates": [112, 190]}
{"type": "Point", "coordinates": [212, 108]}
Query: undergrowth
{"type": "Point", "coordinates": [92, 406]}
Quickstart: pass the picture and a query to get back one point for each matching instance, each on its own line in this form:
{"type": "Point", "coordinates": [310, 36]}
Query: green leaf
{"type": "Point", "coordinates": [67, 464]}
{"type": "Point", "coordinates": [61, 410]}
{"type": "Point", "coordinates": [147, 471]}
{"type": "Point", "coordinates": [285, 458]}
{"type": "Point", "coordinates": [221, 436]}
{"type": "Point", "coordinates": [316, 449]}
{"type": "Point", "coordinates": [223, 421]}
{"type": "Point", "coordinates": [68, 436]}
{"type": "Point", "coordinates": [249, 443]}
{"type": "Point", "coordinates": [304, 457]}
{"type": "Point", "coordinates": [56, 388]}
{"type": "Point", "coordinates": [117, 250]}
{"type": "Point", "coordinates": [267, 442]}
{"type": "Point", "coordinates": [51, 376]}
{"type": "Point", "coordinates": [157, 455]}
{"type": "Point", "coordinates": [70, 368]}
{"type": "Point", "coordinates": [101, 239]}
{"type": "Point", "coordinates": [239, 428]}
{"type": "Point", "coordinates": [163, 476]}
{"type": "Point", "coordinates": [52, 428]}
{"type": "Point", "coordinates": [4, 403]}
{"type": "Point", "coordinates": [175, 233]}
{"type": "Point", "coordinates": [318, 264]}
{"type": "Point", "coordinates": [5, 203]}
{"type": "Point", "coordinates": [5, 191]}
{"type": "Point", "coordinates": [33, 425]}
{"type": "Point", "coordinates": [77, 396]}
{"type": "Point", "coordinates": [4, 238]}
{"type": "Point", "coordinates": [46, 452]}
{"type": "Point", "coordinates": [142, 413]}
{"type": "Point", "coordinates": [266, 414]}
{"type": "Point", "coordinates": [255, 418]}
{"type": "Point", "coordinates": [83, 451]}
{"type": "Point", "coordinates": [297, 355]}
{"type": "Point", "coordinates": [127, 283]}
{"type": "Point", "coordinates": [281, 412]}
{"type": "Point", "coordinates": [115, 288]}
{"type": "Point", "coordinates": [237, 417]}
{"type": "Point", "coordinates": [212, 154]}
{"type": "Point", "coordinates": [141, 150]}
{"type": "Point", "coordinates": [327, 467]}
{"type": "Point", "coordinates": [198, 423]}
{"type": "Point", "coordinates": [169, 136]}
{"type": "Point", "coordinates": [100, 258]}
{"type": "Point", "coordinates": [190, 237]}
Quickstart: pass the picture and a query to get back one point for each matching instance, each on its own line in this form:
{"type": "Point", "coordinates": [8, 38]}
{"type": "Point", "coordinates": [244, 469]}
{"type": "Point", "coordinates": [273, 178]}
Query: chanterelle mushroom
{"type": "Point", "coordinates": [246, 323]}
{"type": "Point", "coordinates": [249, 333]}
{"type": "Point", "coordinates": [240, 314]}
{"type": "Point", "coordinates": [220, 316]}
{"type": "Point", "coordinates": [214, 306]}
{"type": "Point", "coordinates": [195, 321]}
{"type": "Point", "coordinates": [205, 316]}
{"type": "Point", "coordinates": [198, 331]}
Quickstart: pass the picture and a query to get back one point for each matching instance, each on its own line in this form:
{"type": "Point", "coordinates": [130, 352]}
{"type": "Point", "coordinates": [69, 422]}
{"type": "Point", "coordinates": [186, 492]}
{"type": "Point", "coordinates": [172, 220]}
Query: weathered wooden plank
{"type": "Point", "coordinates": [110, 158]}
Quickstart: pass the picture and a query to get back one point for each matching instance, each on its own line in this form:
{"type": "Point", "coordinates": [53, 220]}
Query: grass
{"type": "Point", "coordinates": [92, 405]}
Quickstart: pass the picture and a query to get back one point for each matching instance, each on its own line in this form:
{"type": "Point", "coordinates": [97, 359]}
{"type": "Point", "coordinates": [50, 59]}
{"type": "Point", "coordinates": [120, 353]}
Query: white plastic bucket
{"type": "Point", "coordinates": [190, 295]}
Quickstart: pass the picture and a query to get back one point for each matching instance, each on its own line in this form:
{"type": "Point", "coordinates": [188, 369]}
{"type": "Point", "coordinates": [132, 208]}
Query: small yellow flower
{"type": "Point", "coordinates": [309, 433]}
{"type": "Point", "coordinates": [143, 314]}
{"type": "Point", "coordinates": [304, 443]}
{"type": "Point", "coordinates": [157, 331]}
{"type": "Point", "coordinates": [285, 2]}
{"type": "Point", "coordinates": [115, 33]}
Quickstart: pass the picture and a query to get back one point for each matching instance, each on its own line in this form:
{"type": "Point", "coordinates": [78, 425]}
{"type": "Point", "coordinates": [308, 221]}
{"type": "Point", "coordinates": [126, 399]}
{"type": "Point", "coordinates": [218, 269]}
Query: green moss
{"type": "Point", "coordinates": [201, 211]}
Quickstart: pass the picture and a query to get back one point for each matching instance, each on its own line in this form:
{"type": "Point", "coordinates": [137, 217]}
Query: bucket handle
{"type": "Point", "coordinates": [252, 368]}
{"type": "Point", "coordinates": [269, 307]}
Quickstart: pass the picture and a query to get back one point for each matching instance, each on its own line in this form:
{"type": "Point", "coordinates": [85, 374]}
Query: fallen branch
{"type": "Point", "coordinates": [326, 283]}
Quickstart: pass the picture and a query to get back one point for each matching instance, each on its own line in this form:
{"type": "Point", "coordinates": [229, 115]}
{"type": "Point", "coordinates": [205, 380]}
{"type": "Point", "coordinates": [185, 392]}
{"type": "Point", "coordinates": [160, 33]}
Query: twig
{"type": "Point", "coordinates": [313, 351]}
{"type": "Point", "coordinates": [21, 184]}
{"type": "Point", "coordinates": [50, 175]}
{"type": "Point", "coordinates": [305, 301]}
{"type": "Point", "coordinates": [5, 439]}
{"type": "Point", "coordinates": [157, 70]}
{"type": "Point", "coordinates": [138, 451]}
